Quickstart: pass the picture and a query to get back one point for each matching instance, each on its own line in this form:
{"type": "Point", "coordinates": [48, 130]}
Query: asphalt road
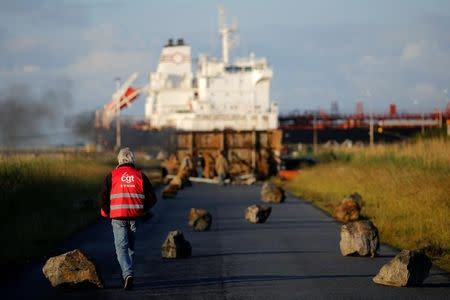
{"type": "Point", "coordinates": [294, 255]}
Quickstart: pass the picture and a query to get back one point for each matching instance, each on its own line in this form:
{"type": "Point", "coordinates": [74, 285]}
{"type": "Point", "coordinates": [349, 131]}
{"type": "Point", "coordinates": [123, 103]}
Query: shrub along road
{"type": "Point", "coordinates": [295, 254]}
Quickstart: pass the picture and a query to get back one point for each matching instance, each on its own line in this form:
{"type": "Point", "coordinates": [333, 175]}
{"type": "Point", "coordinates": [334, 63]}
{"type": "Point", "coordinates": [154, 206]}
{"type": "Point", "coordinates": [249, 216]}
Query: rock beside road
{"type": "Point", "coordinates": [349, 209]}
{"type": "Point", "coordinates": [175, 246]}
{"type": "Point", "coordinates": [199, 219]}
{"type": "Point", "coordinates": [169, 191]}
{"type": "Point", "coordinates": [271, 193]}
{"type": "Point", "coordinates": [359, 238]}
{"type": "Point", "coordinates": [72, 269]}
{"type": "Point", "coordinates": [246, 179]}
{"type": "Point", "coordinates": [357, 198]}
{"type": "Point", "coordinates": [257, 213]}
{"type": "Point", "coordinates": [408, 268]}
{"type": "Point", "coordinates": [249, 180]}
{"type": "Point", "coordinates": [177, 182]}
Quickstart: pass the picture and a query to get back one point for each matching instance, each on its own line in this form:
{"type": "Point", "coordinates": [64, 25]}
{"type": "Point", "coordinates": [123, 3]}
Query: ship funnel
{"type": "Point", "coordinates": [169, 43]}
{"type": "Point", "coordinates": [180, 42]}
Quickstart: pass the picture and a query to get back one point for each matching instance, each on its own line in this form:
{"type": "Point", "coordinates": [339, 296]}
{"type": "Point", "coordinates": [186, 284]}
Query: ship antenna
{"type": "Point", "coordinates": [225, 31]}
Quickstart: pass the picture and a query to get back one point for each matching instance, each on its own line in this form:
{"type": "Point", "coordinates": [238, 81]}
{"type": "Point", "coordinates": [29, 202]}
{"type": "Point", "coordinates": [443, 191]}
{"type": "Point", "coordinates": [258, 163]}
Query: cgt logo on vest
{"type": "Point", "coordinates": [127, 178]}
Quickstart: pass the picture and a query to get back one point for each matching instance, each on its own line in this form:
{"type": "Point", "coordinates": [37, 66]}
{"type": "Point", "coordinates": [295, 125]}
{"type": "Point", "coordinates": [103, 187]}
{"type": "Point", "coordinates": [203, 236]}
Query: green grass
{"type": "Point", "coordinates": [405, 189]}
{"type": "Point", "coordinates": [47, 198]}
{"type": "Point", "coordinates": [44, 200]}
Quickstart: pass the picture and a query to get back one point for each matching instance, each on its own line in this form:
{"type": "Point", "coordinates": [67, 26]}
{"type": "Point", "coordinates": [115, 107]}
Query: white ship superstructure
{"type": "Point", "coordinates": [222, 95]}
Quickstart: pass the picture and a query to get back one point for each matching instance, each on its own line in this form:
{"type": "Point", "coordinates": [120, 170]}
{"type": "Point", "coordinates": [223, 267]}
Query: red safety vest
{"type": "Point", "coordinates": [127, 193]}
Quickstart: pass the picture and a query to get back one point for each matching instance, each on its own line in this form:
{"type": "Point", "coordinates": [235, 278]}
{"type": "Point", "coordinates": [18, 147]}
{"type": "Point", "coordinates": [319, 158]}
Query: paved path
{"type": "Point", "coordinates": [294, 255]}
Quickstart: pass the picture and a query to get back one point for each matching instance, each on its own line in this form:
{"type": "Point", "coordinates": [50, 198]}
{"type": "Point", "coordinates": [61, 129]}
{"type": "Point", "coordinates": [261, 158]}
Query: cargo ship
{"type": "Point", "coordinates": [224, 93]}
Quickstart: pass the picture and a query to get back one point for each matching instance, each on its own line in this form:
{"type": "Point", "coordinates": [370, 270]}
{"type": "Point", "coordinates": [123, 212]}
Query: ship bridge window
{"type": "Point", "coordinates": [233, 69]}
{"type": "Point", "coordinates": [237, 69]}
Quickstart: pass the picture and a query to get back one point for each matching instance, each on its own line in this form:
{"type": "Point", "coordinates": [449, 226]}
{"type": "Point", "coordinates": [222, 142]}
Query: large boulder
{"type": "Point", "coordinates": [408, 268]}
{"type": "Point", "coordinates": [349, 209]}
{"type": "Point", "coordinates": [249, 180]}
{"type": "Point", "coordinates": [72, 269]}
{"type": "Point", "coordinates": [175, 246]}
{"type": "Point", "coordinates": [357, 198]}
{"type": "Point", "coordinates": [177, 182]}
{"type": "Point", "coordinates": [199, 219]}
{"type": "Point", "coordinates": [257, 213]}
{"type": "Point", "coordinates": [271, 193]}
{"type": "Point", "coordinates": [169, 191]}
{"type": "Point", "coordinates": [245, 179]}
{"type": "Point", "coordinates": [359, 238]}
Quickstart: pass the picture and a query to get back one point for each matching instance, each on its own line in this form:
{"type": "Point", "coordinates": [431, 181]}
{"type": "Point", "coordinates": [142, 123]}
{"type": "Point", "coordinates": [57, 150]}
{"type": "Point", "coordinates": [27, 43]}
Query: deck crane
{"type": "Point", "coordinates": [122, 98]}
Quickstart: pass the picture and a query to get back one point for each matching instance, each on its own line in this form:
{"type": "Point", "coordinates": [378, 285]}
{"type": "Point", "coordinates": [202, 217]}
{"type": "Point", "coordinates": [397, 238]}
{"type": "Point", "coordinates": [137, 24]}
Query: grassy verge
{"type": "Point", "coordinates": [45, 199]}
{"type": "Point", "coordinates": [406, 192]}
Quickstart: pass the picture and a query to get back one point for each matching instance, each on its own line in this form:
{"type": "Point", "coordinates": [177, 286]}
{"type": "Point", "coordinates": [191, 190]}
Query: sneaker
{"type": "Point", "coordinates": [128, 283]}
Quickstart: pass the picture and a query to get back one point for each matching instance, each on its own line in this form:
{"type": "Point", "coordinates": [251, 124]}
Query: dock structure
{"type": "Point", "coordinates": [249, 151]}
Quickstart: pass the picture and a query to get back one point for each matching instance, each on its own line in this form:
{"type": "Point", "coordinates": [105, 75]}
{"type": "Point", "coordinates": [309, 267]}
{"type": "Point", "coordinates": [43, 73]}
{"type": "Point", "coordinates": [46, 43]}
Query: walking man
{"type": "Point", "coordinates": [221, 167]}
{"type": "Point", "coordinates": [126, 197]}
{"type": "Point", "coordinates": [200, 165]}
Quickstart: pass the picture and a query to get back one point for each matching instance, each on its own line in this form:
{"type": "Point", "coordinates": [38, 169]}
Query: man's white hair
{"type": "Point", "coordinates": [125, 156]}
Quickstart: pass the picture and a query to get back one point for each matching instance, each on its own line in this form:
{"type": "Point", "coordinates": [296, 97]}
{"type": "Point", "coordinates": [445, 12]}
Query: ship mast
{"type": "Point", "coordinates": [225, 31]}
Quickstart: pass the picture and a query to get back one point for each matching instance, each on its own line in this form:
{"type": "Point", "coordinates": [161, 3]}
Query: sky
{"type": "Point", "coordinates": [378, 52]}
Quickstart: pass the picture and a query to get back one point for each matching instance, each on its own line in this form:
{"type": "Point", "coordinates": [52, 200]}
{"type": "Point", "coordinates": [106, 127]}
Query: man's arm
{"type": "Point", "coordinates": [150, 196]}
{"type": "Point", "coordinates": [104, 200]}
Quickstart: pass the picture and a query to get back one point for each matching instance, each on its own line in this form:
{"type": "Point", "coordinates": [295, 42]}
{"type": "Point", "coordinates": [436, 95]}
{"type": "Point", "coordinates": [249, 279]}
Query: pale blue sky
{"type": "Point", "coordinates": [320, 51]}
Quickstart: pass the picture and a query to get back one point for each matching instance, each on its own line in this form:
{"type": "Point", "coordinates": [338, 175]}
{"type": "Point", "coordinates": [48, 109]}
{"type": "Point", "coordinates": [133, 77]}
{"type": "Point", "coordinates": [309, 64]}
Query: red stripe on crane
{"type": "Point", "coordinates": [113, 104]}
